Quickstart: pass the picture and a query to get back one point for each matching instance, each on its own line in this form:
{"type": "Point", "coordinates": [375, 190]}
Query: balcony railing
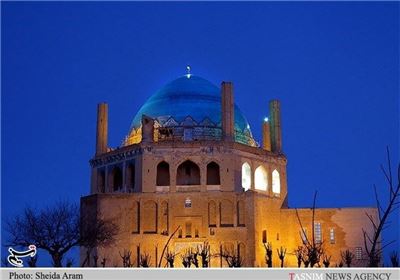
{"type": "Point", "coordinates": [198, 133]}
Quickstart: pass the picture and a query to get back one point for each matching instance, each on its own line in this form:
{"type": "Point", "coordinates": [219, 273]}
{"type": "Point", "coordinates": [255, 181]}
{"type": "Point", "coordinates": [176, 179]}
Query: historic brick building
{"type": "Point", "coordinates": [190, 161]}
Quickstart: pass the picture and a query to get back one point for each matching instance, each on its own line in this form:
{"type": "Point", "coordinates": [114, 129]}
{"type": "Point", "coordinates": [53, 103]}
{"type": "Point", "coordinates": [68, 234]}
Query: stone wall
{"type": "Point", "coordinates": [148, 210]}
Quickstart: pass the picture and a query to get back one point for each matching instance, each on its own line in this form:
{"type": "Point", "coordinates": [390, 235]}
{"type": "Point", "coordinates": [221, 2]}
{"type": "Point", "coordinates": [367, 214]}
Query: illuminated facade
{"type": "Point", "coordinates": [190, 163]}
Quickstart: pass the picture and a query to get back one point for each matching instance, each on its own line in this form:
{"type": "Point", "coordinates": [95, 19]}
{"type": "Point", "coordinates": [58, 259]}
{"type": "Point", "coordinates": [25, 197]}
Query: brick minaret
{"type": "Point", "coordinates": [228, 115]}
{"type": "Point", "coordinates": [266, 135]}
{"type": "Point", "coordinates": [275, 127]}
{"type": "Point", "coordinates": [102, 128]}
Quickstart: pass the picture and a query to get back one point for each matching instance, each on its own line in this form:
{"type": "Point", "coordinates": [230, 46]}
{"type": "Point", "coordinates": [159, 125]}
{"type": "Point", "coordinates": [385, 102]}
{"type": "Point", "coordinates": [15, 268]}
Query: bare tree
{"type": "Point", "coordinates": [394, 259]}
{"type": "Point", "coordinates": [306, 260]}
{"type": "Point", "coordinates": [96, 232]}
{"type": "Point", "coordinates": [268, 253]}
{"type": "Point", "coordinates": [145, 260]}
{"type": "Point", "coordinates": [299, 255]}
{"type": "Point", "coordinates": [53, 229]}
{"type": "Point", "coordinates": [187, 258]}
{"type": "Point", "coordinates": [372, 244]}
{"type": "Point", "coordinates": [232, 257]}
{"type": "Point", "coordinates": [326, 260]}
{"type": "Point", "coordinates": [195, 260]}
{"type": "Point", "coordinates": [58, 228]}
{"type": "Point", "coordinates": [204, 251]}
{"type": "Point", "coordinates": [70, 262]}
{"type": "Point", "coordinates": [313, 250]}
{"type": "Point", "coordinates": [281, 254]}
{"type": "Point", "coordinates": [32, 261]}
{"type": "Point", "coordinates": [347, 257]}
{"type": "Point", "coordinates": [103, 262]}
{"type": "Point", "coordinates": [170, 257]}
{"type": "Point", "coordinates": [95, 260]}
{"type": "Point", "coordinates": [340, 264]}
{"type": "Point", "coordinates": [126, 258]}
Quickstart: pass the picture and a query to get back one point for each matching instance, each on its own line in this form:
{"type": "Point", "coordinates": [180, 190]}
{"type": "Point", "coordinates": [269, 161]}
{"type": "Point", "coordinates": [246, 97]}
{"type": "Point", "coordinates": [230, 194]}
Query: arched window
{"type": "Point", "coordinates": [116, 178]}
{"type": "Point", "coordinates": [246, 176]}
{"type": "Point", "coordinates": [213, 174]}
{"type": "Point", "coordinates": [130, 177]}
{"type": "Point", "coordinates": [150, 212]}
{"type": "Point", "coordinates": [188, 173]}
{"type": "Point", "coordinates": [212, 214]}
{"type": "Point", "coordinates": [264, 236]}
{"type": "Point", "coordinates": [163, 174]}
{"type": "Point", "coordinates": [261, 179]}
{"type": "Point", "coordinates": [226, 213]}
{"type": "Point", "coordinates": [276, 182]}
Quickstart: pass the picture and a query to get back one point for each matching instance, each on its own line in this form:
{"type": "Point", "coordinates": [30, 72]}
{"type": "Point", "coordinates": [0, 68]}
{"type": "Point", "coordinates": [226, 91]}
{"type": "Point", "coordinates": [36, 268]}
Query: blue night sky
{"type": "Point", "coordinates": [334, 67]}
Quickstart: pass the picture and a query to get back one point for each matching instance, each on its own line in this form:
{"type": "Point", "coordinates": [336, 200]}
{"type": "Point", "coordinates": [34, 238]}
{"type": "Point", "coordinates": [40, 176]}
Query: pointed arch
{"type": "Point", "coordinates": [188, 173]}
{"type": "Point", "coordinates": [163, 177]}
{"type": "Point", "coordinates": [150, 217]}
{"type": "Point", "coordinates": [130, 176]}
{"type": "Point", "coordinates": [212, 214]}
{"type": "Point", "coordinates": [226, 213]}
{"type": "Point", "coordinates": [116, 178]}
{"type": "Point", "coordinates": [276, 182]}
{"type": "Point", "coordinates": [246, 176]}
{"type": "Point", "coordinates": [261, 178]}
{"type": "Point", "coordinates": [213, 176]}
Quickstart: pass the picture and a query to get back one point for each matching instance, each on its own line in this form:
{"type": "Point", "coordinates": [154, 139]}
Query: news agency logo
{"type": "Point", "coordinates": [306, 276]}
{"type": "Point", "coordinates": [340, 276]}
{"type": "Point", "coordinates": [14, 256]}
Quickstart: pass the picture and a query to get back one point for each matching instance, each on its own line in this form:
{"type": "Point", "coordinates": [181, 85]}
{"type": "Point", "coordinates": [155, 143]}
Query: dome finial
{"type": "Point", "coordinates": [188, 68]}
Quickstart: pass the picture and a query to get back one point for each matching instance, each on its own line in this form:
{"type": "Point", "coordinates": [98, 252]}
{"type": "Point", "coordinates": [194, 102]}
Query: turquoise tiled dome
{"type": "Point", "coordinates": [188, 96]}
